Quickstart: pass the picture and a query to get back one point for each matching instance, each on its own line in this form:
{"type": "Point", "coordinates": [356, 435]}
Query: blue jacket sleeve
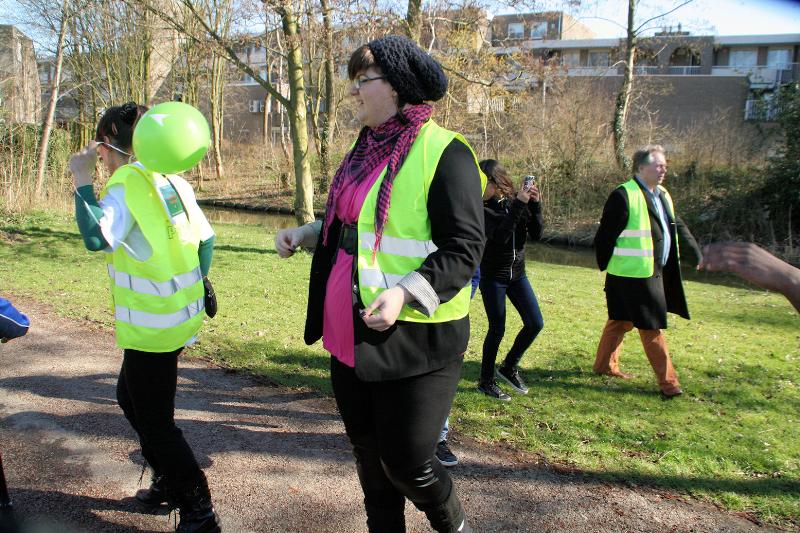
{"type": "Point", "coordinates": [13, 324]}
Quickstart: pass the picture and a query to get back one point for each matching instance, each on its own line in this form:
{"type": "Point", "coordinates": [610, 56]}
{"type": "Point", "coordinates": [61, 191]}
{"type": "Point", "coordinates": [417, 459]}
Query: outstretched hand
{"type": "Point", "coordinates": [755, 265]}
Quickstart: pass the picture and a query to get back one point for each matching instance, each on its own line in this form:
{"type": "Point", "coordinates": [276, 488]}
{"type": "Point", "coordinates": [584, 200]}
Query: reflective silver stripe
{"type": "Point", "coordinates": [635, 233]}
{"type": "Point", "coordinates": [155, 288]}
{"type": "Point", "coordinates": [157, 321]}
{"type": "Point", "coordinates": [398, 246]}
{"type": "Point", "coordinates": [372, 277]}
{"type": "Point", "coordinates": [633, 252]}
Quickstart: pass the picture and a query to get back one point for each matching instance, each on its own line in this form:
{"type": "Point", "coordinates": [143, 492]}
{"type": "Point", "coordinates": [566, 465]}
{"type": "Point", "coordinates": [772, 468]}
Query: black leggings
{"type": "Point", "coordinates": [394, 427]}
{"type": "Point", "coordinates": [146, 394]}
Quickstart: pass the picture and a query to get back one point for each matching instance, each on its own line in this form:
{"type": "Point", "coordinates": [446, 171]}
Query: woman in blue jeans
{"type": "Point", "coordinates": [510, 218]}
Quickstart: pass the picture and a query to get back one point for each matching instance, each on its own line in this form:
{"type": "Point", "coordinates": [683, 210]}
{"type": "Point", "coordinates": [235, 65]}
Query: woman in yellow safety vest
{"type": "Point", "coordinates": [389, 289]}
{"type": "Point", "coordinates": [158, 247]}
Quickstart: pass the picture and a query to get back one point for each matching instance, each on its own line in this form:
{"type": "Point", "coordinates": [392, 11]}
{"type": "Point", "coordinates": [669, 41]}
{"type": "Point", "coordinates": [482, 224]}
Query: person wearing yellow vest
{"type": "Point", "coordinates": [637, 244]}
{"type": "Point", "coordinates": [158, 247]}
{"type": "Point", "coordinates": [389, 289]}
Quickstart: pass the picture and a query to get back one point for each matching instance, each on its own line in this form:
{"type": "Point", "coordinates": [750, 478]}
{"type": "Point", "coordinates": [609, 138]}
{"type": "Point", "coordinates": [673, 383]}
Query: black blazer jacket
{"type": "Point", "coordinates": [455, 211]}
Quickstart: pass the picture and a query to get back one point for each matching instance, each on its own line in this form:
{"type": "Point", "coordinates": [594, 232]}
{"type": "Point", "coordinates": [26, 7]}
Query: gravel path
{"type": "Point", "coordinates": [277, 460]}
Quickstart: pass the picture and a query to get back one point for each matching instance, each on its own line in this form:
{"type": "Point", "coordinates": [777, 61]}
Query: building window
{"type": "Point", "coordinates": [743, 58]}
{"type": "Point", "coordinates": [571, 58]}
{"type": "Point", "coordinates": [256, 106]}
{"type": "Point", "coordinates": [764, 108]}
{"type": "Point", "coordinates": [598, 58]}
{"type": "Point", "coordinates": [516, 30]}
{"type": "Point", "coordinates": [539, 30]}
{"type": "Point", "coordinates": [779, 58]}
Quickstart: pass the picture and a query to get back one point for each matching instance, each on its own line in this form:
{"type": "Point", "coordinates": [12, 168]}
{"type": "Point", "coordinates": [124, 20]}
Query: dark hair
{"type": "Point", "coordinates": [498, 175]}
{"type": "Point", "coordinates": [642, 156]}
{"type": "Point", "coordinates": [360, 60]}
{"type": "Point", "coordinates": [117, 124]}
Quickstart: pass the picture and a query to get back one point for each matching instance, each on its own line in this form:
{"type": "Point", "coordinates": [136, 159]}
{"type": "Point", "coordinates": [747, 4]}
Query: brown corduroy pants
{"type": "Point", "coordinates": [655, 346]}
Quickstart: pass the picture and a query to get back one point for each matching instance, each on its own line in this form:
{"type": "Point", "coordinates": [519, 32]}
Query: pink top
{"type": "Point", "coordinates": [337, 323]}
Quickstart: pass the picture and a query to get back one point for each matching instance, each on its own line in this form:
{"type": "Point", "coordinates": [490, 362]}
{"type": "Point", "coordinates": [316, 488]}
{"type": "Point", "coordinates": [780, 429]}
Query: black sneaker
{"type": "Point", "coordinates": [156, 494]}
{"type": "Point", "coordinates": [490, 388]}
{"type": "Point", "coordinates": [445, 454]}
{"type": "Point", "coordinates": [512, 378]}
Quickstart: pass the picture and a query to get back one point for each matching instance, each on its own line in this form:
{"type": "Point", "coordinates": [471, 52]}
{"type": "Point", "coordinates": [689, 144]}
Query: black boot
{"type": "Point", "coordinates": [194, 506]}
{"type": "Point", "coordinates": [448, 516]}
{"type": "Point", "coordinates": [156, 494]}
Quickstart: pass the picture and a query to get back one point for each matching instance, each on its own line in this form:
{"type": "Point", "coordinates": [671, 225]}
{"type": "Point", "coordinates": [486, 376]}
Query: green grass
{"type": "Point", "coordinates": [733, 437]}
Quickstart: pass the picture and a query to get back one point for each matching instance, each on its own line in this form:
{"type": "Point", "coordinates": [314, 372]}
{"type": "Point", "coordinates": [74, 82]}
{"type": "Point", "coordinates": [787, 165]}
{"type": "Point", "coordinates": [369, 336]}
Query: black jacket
{"type": "Point", "coordinates": [645, 301]}
{"type": "Point", "coordinates": [411, 348]}
{"type": "Point", "coordinates": [508, 225]}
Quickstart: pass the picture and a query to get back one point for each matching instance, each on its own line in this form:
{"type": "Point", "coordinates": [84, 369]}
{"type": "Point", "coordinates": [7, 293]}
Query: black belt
{"type": "Point", "coordinates": [348, 238]}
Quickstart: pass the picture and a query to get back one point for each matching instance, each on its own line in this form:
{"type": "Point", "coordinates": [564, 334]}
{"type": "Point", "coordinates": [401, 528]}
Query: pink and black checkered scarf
{"type": "Point", "coordinates": [392, 139]}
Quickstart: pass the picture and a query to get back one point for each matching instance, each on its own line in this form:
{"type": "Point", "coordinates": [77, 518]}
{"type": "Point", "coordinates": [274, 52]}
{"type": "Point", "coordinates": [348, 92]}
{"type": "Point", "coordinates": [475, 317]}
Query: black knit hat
{"type": "Point", "coordinates": [413, 74]}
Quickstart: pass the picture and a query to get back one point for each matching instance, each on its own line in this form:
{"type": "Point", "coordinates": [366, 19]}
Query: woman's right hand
{"type": "Point", "coordinates": [287, 241]}
{"type": "Point", "coordinates": [82, 165]}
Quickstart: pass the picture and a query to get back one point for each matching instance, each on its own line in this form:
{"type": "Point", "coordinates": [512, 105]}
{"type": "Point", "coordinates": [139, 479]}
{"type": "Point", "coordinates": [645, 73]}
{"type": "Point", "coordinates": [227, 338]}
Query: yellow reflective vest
{"type": "Point", "coordinates": [633, 252]}
{"type": "Point", "coordinates": [158, 303]}
{"type": "Point", "coordinates": [406, 239]}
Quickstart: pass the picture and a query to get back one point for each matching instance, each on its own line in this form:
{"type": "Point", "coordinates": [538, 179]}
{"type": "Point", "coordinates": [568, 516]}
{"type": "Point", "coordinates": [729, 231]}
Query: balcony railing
{"type": "Point", "coordinates": [683, 70]}
{"type": "Point", "coordinates": [644, 70]}
{"type": "Point", "coordinates": [762, 74]}
{"type": "Point", "coordinates": [592, 71]}
{"type": "Point", "coordinates": [760, 110]}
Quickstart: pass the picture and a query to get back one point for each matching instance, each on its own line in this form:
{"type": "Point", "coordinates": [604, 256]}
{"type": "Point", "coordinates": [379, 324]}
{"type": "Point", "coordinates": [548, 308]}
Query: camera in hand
{"type": "Point", "coordinates": [528, 183]}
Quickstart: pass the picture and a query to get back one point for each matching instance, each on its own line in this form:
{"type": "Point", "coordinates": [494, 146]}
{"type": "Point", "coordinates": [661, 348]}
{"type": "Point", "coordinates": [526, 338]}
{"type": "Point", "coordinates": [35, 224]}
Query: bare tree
{"type": "Point", "coordinates": [47, 123]}
{"type": "Point", "coordinates": [413, 19]}
{"type": "Point", "coordinates": [295, 104]}
{"type": "Point", "coordinates": [622, 104]}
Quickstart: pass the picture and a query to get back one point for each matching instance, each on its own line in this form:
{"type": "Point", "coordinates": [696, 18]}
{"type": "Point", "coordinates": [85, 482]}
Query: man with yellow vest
{"type": "Point", "coordinates": [158, 248]}
{"type": "Point", "coordinates": [637, 244]}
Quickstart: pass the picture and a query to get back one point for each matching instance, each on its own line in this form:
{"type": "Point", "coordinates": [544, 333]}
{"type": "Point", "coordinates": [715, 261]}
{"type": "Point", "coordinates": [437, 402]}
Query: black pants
{"type": "Point", "coordinates": [394, 427]}
{"type": "Point", "coordinates": [146, 394]}
{"type": "Point", "coordinates": [521, 294]}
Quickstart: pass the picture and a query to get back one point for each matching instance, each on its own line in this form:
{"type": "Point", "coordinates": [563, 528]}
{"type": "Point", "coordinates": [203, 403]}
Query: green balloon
{"type": "Point", "coordinates": [171, 137]}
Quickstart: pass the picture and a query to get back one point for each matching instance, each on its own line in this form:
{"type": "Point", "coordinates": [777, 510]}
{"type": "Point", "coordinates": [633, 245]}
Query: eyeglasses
{"type": "Point", "coordinates": [114, 148]}
{"type": "Point", "coordinates": [358, 82]}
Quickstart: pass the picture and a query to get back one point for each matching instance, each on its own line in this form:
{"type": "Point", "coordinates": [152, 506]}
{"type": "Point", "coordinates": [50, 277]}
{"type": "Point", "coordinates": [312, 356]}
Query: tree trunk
{"type": "Point", "coordinates": [330, 99]}
{"type": "Point", "coordinates": [216, 101]}
{"type": "Point", "coordinates": [413, 22]}
{"type": "Point", "coordinates": [265, 137]}
{"type": "Point", "coordinates": [47, 124]}
{"type": "Point", "coordinates": [623, 97]}
{"type": "Point", "coordinates": [298, 128]}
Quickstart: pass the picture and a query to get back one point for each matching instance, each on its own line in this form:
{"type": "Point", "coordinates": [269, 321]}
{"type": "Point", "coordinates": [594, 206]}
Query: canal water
{"type": "Point", "coordinates": [534, 251]}
{"type": "Point", "coordinates": [547, 253]}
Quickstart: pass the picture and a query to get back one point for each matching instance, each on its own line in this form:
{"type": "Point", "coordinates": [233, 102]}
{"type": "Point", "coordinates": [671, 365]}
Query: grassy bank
{"type": "Point", "coordinates": [733, 437]}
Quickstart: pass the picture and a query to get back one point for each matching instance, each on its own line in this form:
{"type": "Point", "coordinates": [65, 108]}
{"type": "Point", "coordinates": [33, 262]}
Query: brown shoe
{"type": "Point", "coordinates": [671, 393]}
{"type": "Point", "coordinates": [616, 374]}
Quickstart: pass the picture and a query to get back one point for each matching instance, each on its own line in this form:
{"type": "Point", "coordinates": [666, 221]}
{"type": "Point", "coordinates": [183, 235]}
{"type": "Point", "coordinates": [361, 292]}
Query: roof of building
{"type": "Point", "coordinates": [783, 38]}
{"type": "Point", "coordinates": [786, 38]}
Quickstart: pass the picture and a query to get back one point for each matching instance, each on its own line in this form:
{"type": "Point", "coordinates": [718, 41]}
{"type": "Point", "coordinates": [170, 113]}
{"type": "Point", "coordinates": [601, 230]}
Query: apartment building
{"type": "Point", "coordinates": [19, 85]}
{"type": "Point", "coordinates": [697, 75]}
{"type": "Point", "coordinates": [524, 29]}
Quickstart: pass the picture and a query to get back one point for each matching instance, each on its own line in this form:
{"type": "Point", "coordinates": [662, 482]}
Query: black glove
{"type": "Point", "coordinates": [210, 298]}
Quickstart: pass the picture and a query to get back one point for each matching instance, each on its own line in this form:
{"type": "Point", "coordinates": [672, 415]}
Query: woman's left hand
{"type": "Point", "coordinates": [381, 314]}
{"type": "Point", "coordinates": [534, 193]}
{"type": "Point", "coordinates": [82, 165]}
